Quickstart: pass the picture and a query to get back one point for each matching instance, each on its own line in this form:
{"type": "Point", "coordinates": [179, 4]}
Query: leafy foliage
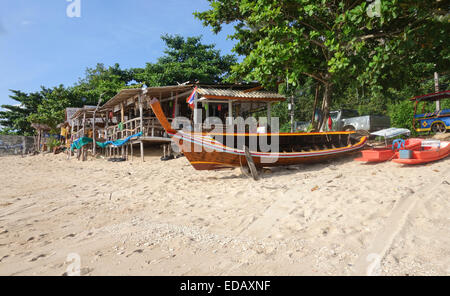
{"type": "Point", "coordinates": [336, 43]}
{"type": "Point", "coordinates": [14, 118]}
{"type": "Point", "coordinates": [186, 60]}
{"type": "Point", "coordinates": [102, 82]}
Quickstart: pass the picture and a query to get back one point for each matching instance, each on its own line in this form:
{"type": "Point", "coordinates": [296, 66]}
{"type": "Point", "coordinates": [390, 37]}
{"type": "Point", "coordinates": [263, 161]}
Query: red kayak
{"type": "Point", "coordinates": [388, 153]}
{"type": "Point", "coordinates": [426, 154]}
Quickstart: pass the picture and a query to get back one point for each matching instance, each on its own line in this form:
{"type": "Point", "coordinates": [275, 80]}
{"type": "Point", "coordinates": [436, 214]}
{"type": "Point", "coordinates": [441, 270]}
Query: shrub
{"type": "Point", "coordinates": [52, 143]}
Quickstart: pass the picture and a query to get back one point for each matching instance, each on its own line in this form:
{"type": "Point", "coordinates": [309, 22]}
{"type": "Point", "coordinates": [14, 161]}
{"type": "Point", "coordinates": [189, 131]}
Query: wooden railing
{"type": "Point", "coordinates": [99, 132]}
{"type": "Point", "coordinates": [150, 128]}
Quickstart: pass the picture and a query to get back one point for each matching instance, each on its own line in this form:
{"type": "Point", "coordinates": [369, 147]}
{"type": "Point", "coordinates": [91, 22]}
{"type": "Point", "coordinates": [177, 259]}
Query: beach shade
{"type": "Point", "coordinates": [392, 132]}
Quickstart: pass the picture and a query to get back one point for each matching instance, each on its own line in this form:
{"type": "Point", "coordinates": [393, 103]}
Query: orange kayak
{"type": "Point", "coordinates": [387, 153]}
{"type": "Point", "coordinates": [428, 154]}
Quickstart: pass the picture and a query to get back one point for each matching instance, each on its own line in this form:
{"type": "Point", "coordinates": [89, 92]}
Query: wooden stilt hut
{"type": "Point", "coordinates": [133, 114]}
{"type": "Point", "coordinates": [41, 136]}
{"type": "Point", "coordinates": [90, 123]}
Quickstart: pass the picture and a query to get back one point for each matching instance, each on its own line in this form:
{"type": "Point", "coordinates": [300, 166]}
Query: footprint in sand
{"type": "Point", "coordinates": [69, 235]}
{"type": "Point", "coordinates": [38, 257]}
{"type": "Point", "coordinates": [139, 251]}
{"type": "Point", "coordinates": [4, 257]}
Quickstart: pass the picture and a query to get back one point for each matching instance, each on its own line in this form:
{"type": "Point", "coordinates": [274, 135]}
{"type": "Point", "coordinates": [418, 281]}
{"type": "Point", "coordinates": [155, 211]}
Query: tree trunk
{"type": "Point", "coordinates": [314, 123]}
{"type": "Point", "coordinates": [325, 106]}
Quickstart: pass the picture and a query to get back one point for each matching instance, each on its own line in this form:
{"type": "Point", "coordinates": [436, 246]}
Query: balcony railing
{"type": "Point", "coordinates": [150, 128]}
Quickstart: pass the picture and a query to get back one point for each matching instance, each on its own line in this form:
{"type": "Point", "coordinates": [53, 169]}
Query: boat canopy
{"type": "Point", "coordinates": [392, 132]}
{"type": "Point", "coordinates": [433, 96]}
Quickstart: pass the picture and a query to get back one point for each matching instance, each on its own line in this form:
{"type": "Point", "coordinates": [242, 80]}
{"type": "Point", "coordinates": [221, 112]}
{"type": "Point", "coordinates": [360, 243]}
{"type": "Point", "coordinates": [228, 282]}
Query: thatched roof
{"type": "Point", "coordinates": [40, 126]}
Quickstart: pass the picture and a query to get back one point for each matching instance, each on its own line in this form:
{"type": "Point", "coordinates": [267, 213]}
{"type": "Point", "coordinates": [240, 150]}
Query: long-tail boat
{"type": "Point", "coordinates": [209, 151]}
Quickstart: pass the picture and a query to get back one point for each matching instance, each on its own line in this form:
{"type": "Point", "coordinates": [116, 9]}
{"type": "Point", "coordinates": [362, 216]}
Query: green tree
{"type": "Point", "coordinates": [340, 44]}
{"type": "Point", "coordinates": [14, 117]}
{"type": "Point", "coordinates": [54, 102]}
{"type": "Point", "coordinates": [102, 81]}
{"type": "Point", "coordinates": [186, 60]}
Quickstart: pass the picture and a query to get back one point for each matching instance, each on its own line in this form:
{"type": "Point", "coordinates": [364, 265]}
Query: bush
{"type": "Point", "coordinates": [52, 143]}
{"type": "Point", "coordinates": [401, 114]}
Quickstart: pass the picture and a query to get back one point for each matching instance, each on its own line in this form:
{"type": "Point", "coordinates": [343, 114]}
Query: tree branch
{"type": "Point", "coordinates": [315, 77]}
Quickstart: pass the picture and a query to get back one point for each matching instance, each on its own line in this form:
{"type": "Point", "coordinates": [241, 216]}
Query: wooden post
{"type": "Point", "coordinates": [39, 141]}
{"type": "Point", "coordinates": [177, 109]}
{"type": "Point", "coordinates": [131, 148]}
{"type": "Point", "coordinates": [436, 89]}
{"type": "Point", "coordinates": [122, 120]}
{"type": "Point", "coordinates": [269, 115]}
{"type": "Point", "coordinates": [93, 134]}
{"type": "Point", "coordinates": [196, 119]}
{"type": "Point", "coordinates": [141, 114]}
{"type": "Point", "coordinates": [230, 112]}
{"type": "Point", "coordinates": [292, 113]}
{"type": "Point", "coordinates": [84, 123]}
{"type": "Point", "coordinates": [316, 99]}
{"type": "Point", "coordinates": [141, 117]}
{"type": "Point", "coordinates": [71, 137]}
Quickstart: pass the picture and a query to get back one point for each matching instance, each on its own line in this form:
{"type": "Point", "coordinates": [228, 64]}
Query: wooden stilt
{"type": "Point", "coordinates": [251, 164]}
{"type": "Point", "coordinates": [131, 148]}
{"type": "Point", "coordinates": [142, 151]}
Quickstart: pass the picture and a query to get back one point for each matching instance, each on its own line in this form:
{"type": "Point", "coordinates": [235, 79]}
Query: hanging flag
{"type": "Point", "coordinates": [191, 98]}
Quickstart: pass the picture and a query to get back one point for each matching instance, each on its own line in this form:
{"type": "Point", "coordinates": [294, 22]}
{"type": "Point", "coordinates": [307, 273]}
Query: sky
{"type": "Point", "coordinates": [41, 45]}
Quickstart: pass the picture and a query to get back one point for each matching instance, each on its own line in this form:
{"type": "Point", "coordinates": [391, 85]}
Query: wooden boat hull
{"type": "Point", "coordinates": [427, 155]}
{"type": "Point", "coordinates": [212, 151]}
{"type": "Point", "coordinates": [206, 154]}
{"type": "Point", "coordinates": [385, 154]}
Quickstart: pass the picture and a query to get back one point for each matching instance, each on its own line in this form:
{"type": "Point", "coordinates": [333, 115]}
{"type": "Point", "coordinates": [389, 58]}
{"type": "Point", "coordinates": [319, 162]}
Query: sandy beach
{"type": "Point", "coordinates": [164, 218]}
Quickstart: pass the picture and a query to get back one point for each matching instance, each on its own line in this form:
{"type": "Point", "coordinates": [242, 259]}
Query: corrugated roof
{"type": "Point", "coordinates": [121, 96]}
{"type": "Point", "coordinates": [225, 91]}
{"type": "Point", "coordinates": [259, 95]}
{"type": "Point", "coordinates": [40, 126]}
{"type": "Point", "coordinates": [88, 109]}
{"type": "Point", "coordinates": [163, 91]}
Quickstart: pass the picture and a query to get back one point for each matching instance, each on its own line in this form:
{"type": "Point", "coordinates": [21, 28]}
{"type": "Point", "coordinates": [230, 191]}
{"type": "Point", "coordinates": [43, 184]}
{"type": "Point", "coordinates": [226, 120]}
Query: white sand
{"type": "Point", "coordinates": [165, 218]}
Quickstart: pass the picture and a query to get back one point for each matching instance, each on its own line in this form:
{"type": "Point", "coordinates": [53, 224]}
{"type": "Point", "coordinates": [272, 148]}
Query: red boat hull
{"type": "Point", "coordinates": [427, 155]}
{"type": "Point", "coordinates": [385, 154]}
